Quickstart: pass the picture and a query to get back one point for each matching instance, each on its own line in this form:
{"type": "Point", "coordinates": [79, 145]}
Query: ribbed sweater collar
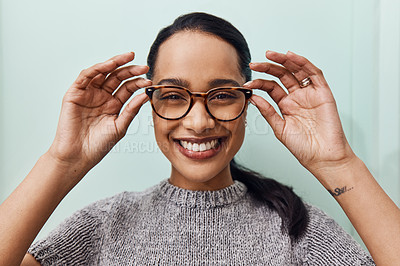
{"type": "Point", "coordinates": [203, 199]}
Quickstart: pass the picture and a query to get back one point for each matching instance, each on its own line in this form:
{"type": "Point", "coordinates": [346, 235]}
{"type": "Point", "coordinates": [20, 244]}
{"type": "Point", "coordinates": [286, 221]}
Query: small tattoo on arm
{"type": "Point", "coordinates": [339, 191]}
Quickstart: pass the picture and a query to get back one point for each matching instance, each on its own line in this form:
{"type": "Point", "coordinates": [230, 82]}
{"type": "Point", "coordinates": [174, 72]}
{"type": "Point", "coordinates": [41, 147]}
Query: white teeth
{"type": "Point", "coordinates": [202, 147]}
{"type": "Point", "coordinates": [213, 142]}
{"type": "Point", "coordinates": [184, 143]}
{"type": "Point", "coordinates": [195, 147]}
{"type": "Point", "coordinates": [208, 145]}
{"type": "Point", "coordinates": [199, 146]}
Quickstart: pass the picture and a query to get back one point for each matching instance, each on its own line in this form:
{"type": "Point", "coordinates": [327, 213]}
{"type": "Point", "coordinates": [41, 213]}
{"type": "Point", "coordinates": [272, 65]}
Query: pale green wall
{"type": "Point", "coordinates": [388, 106]}
{"type": "Point", "coordinates": [2, 125]}
{"type": "Point", "coordinates": [45, 44]}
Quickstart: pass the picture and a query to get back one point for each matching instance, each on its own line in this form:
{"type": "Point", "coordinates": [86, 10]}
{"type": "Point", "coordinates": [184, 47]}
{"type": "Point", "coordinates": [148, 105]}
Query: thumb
{"type": "Point", "coordinates": [130, 111]}
{"type": "Point", "coordinates": [269, 113]}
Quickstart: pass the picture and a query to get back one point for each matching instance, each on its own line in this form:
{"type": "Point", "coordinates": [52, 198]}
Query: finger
{"type": "Point", "coordinates": [282, 59]}
{"type": "Point", "coordinates": [106, 67]}
{"type": "Point", "coordinates": [284, 75]}
{"type": "Point", "coordinates": [312, 71]}
{"type": "Point", "coordinates": [271, 87]}
{"type": "Point", "coordinates": [269, 113]}
{"type": "Point", "coordinates": [129, 112]}
{"type": "Point", "coordinates": [97, 81]}
{"type": "Point", "coordinates": [118, 76]}
{"type": "Point", "coordinates": [129, 87]}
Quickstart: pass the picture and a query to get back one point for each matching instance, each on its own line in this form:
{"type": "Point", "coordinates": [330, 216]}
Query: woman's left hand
{"type": "Point", "coordinates": [310, 126]}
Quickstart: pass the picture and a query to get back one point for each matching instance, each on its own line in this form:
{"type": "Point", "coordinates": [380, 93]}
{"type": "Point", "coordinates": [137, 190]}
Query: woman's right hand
{"type": "Point", "coordinates": [91, 121]}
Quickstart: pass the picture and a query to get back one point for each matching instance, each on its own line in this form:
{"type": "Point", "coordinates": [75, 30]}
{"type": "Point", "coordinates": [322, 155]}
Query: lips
{"type": "Point", "coordinates": [204, 148]}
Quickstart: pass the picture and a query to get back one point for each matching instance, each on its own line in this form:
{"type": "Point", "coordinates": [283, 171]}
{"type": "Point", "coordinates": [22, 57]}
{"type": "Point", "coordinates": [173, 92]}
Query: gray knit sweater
{"type": "Point", "coordinates": [168, 225]}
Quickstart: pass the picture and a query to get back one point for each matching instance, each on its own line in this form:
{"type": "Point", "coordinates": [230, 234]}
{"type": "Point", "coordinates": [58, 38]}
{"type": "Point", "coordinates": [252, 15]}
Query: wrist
{"type": "Point", "coordinates": [338, 174]}
{"type": "Point", "coordinates": [70, 172]}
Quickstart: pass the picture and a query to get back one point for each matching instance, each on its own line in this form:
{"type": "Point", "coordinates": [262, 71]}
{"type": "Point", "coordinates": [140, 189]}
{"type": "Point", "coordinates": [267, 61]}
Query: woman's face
{"type": "Point", "coordinates": [198, 62]}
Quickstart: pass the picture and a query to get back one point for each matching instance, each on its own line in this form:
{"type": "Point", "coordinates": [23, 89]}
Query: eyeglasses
{"type": "Point", "coordinates": [174, 102]}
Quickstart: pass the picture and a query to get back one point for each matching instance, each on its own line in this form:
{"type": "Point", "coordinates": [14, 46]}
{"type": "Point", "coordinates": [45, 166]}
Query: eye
{"type": "Point", "coordinates": [223, 95]}
{"type": "Point", "coordinates": [172, 96]}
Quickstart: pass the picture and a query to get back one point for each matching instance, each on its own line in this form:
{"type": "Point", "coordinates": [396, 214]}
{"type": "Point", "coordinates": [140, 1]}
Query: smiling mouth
{"type": "Point", "coordinates": [196, 146]}
{"type": "Point", "coordinates": [203, 146]}
{"type": "Point", "coordinates": [199, 149]}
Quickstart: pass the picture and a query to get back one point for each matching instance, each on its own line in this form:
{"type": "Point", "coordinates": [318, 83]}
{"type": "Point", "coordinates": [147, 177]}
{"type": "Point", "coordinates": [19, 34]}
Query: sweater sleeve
{"type": "Point", "coordinates": [327, 243]}
{"type": "Point", "coordinates": [77, 240]}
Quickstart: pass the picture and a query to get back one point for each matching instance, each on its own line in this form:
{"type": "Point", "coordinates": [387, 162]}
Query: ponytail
{"type": "Point", "coordinates": [278, 197]}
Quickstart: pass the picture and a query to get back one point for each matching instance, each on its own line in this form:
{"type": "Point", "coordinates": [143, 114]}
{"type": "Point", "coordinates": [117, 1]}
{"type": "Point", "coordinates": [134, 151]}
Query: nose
{"type": "Point", "coordinates": [198, 118]}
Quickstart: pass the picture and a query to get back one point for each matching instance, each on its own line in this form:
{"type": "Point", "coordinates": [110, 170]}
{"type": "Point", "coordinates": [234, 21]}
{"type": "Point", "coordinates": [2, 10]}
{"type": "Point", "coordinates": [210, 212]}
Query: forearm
{"type": "Point", "coordinates": [27, 209]}
{"type": "Point", "coordinates": [373, 214]}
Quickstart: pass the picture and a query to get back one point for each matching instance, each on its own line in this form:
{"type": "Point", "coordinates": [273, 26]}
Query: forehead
{"type": "Point", "coordinates": [197, 58]}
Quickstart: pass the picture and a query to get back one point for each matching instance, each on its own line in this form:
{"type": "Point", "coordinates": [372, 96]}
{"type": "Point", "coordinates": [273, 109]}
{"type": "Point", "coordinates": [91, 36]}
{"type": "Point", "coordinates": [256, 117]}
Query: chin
{"type": "Point", "coordinates": [201, 175]}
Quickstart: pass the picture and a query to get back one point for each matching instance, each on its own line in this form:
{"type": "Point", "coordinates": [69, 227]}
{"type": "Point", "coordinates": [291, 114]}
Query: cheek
{"type": "Point", "coordinates": [237, 130]}
{"type": "Point", "coordinates": [241, 126]}
{"type": "Point", "coordinates": [162, 129]}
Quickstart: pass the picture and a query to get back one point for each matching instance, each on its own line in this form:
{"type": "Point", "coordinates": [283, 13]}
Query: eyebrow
{"type": "Point", "coordinates": [212, 84]}
{"type": "Point", "coordinates": [174, 81]}
{"type": "Point", "coordinates": [223, 82]}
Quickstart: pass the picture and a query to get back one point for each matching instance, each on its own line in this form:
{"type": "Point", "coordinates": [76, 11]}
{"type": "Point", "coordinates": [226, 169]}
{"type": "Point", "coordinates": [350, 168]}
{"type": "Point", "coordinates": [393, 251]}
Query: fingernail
{"type": "Point", "coordinates": [144, 67]}
{"type": "Point", "coordinates": [248, 83]}
{"type": "Point", "coordinates": [129, 53]}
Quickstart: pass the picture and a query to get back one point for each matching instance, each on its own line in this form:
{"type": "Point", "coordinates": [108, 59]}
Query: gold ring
{"type": "Point", "coordinates": [305, 82]}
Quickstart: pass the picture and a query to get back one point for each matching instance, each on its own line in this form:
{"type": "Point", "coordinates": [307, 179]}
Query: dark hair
{"type": "Point", "coordinates": [209, 24]}
{"type": "Point", "coordinates": [277, 196]}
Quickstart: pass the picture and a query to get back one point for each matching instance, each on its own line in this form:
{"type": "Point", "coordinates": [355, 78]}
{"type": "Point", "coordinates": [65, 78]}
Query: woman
{"type": "Point", "coordinates": [210, 210]}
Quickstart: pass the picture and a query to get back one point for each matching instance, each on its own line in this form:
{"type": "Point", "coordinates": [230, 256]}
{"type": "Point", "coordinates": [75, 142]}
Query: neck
{"type": "Point", "coordinates": [221, 180]}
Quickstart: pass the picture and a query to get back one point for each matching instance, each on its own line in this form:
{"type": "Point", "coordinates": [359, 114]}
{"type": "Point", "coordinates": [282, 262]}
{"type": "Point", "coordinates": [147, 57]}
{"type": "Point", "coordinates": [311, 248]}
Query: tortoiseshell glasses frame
{"type": "Point", "coordinates": [246, 92]}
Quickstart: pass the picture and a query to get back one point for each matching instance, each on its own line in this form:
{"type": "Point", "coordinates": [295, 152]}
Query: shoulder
{"type": "Point", "coordinates": [125, 205]}
{"type": "Point", "coordinates": [123, 199]}
{"type": "Point", "coordinates": [86, 230]}
{"type": "Point", "coordinates": [100, 212]}
{"type": "Point", "coordinates": [325, 242]}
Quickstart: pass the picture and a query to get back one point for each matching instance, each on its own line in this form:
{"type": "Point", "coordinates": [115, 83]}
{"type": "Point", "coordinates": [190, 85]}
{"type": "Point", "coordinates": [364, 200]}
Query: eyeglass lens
{"type": "Point", "coordinates": [223, 104]}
